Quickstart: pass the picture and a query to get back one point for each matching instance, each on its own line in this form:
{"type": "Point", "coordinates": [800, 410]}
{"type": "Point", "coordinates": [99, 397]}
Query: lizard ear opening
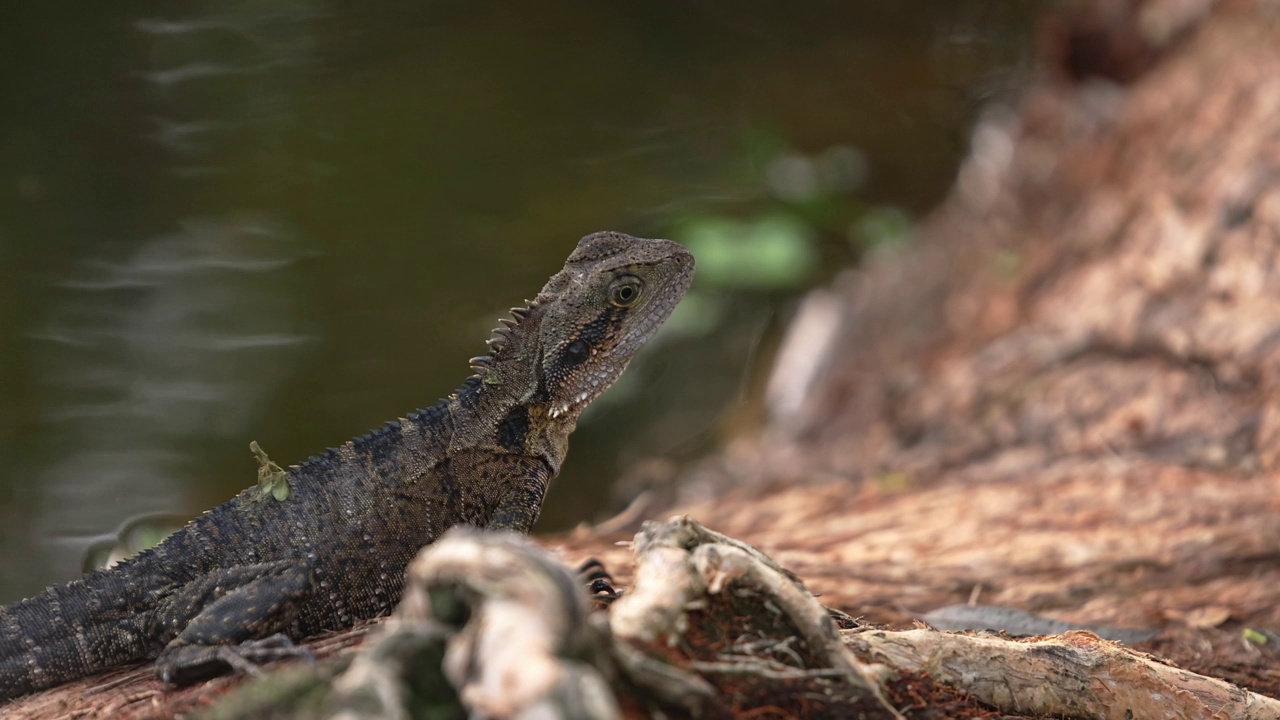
{"type": "Point", "coordinates": [577, 352]}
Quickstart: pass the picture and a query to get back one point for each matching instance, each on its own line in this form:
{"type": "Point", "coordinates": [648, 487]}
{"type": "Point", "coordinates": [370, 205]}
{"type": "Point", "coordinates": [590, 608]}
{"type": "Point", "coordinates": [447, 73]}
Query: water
{"type": "Point", "coordinates": [292, 221]}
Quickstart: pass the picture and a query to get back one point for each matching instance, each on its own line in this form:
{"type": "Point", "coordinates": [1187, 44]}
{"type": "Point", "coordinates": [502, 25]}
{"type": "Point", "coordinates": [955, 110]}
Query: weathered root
{"type": "Point", "coordinates": [1076, 674]}
{"type": "Point", "coordinates": [683, 570]}
{"type": "Point", "coordinates": [491, 626]}
{"type": "Point", "coordinates": [505, 625]}
{"type": "Point", "coordinates": [694, 588]}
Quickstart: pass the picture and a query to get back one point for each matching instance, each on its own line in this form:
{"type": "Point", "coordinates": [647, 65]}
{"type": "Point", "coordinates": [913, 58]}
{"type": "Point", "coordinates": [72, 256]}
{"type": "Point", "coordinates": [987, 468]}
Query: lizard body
{"type": "Point", "coordinates": [327, 543]}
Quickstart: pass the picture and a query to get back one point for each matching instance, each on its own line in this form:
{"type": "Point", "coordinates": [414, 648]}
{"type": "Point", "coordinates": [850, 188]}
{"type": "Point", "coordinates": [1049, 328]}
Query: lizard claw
{"type": "Point", "coordinates": [599, 582]}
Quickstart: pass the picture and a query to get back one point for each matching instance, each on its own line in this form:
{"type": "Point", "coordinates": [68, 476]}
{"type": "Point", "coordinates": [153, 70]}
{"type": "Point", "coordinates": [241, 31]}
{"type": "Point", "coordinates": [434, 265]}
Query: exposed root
{"type": "Point", "coordinates": [1077, 674]}
{"type": "Point", "coordinates": [681, 566]}
{"type": "Point", "coordinates": [504, 625]}
{"type": "Point", "coordinates": [713, 628]}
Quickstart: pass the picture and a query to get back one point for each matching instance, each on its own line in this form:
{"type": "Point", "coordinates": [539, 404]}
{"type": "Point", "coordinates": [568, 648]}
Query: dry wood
{"type": "Point", "coordinates": [680, 563]}
{"type": "Point", "coordinates": [1076, 675]}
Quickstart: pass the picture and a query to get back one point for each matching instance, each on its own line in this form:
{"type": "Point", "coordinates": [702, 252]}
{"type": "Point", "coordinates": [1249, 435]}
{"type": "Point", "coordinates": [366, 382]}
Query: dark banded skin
{"type": "Point", "coordinates": [243, 580]}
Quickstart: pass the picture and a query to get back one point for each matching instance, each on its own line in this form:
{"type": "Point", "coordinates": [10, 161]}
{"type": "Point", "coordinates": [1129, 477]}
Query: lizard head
{"type": "Point", "coordinates": [612, 295]}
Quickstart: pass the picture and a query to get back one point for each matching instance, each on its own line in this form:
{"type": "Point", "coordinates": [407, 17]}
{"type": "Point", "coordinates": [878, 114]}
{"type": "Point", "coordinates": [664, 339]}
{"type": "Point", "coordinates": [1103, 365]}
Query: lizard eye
{"type": "Point", "coordinates": [625, 290]}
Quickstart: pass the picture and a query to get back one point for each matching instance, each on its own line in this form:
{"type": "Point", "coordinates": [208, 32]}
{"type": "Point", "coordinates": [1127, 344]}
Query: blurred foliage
{"type": "Point", "coordinates": [806, 206]}
{"type": "Point", "coordinates": [805, 219]}
{"type": "Point", "coordinates": [801, 219]}
{"type": "Point", "coordinates": [767, 253]}
{"type": "Point", "coordinates": [882, 227]}
{"type": "Point", "coordinates": [1005, 264]}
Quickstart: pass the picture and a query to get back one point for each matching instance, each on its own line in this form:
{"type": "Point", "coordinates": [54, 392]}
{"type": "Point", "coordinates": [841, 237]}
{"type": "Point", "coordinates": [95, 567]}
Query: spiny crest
{"type": "Point", "coordinates": [363, 442]}
{"type": "Point", "coordinates": [501, 334]}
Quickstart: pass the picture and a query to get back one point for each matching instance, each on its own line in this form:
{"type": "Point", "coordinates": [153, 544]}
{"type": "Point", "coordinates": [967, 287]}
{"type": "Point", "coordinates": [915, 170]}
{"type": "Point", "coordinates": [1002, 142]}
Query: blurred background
{"type": "Point", "coordinates": [292, 221]}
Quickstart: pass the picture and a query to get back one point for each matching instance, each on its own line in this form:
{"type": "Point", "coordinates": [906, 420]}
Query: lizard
{"type": "Point", "coordinates": [325, 543]}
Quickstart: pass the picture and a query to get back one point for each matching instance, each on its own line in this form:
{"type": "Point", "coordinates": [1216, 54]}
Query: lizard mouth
{"type": "Point", "coordinates": [578, 401]}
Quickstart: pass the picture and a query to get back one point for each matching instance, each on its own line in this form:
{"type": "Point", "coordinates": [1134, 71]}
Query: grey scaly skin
{"type": "Point", "coordinates": [326, 544]}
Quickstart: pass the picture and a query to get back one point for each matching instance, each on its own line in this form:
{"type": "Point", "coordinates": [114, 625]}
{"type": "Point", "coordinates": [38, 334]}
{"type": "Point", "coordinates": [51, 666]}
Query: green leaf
{"type": "Point", "coordinates": [273, 480]}
{"type": "Point", "coordinates": [280, 490]}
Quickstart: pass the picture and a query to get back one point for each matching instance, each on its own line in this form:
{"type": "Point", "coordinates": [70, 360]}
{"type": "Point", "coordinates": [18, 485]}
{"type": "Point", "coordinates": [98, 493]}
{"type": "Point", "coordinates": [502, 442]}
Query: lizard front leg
{"type": "Point", "coordinates": [520, 502]}
{"type": "Point", "coordinates": [232, 617]}
{"type": "Point", "coordinates": [518, 509]}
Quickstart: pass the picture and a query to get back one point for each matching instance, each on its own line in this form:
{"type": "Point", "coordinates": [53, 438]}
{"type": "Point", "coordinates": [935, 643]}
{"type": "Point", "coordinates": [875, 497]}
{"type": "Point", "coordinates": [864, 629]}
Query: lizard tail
{"type": "Point", "coordinates": [68, 631]}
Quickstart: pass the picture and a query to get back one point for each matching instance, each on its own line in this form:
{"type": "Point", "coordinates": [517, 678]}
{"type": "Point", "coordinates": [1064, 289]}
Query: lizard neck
{"type": "Point", "coordinates": [505, 407]}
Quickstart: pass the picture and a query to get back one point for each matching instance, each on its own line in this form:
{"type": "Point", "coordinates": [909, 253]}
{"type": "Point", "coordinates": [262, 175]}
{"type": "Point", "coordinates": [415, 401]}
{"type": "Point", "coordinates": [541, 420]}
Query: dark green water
{"type": "Point", "coordinates": [292, 221]}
